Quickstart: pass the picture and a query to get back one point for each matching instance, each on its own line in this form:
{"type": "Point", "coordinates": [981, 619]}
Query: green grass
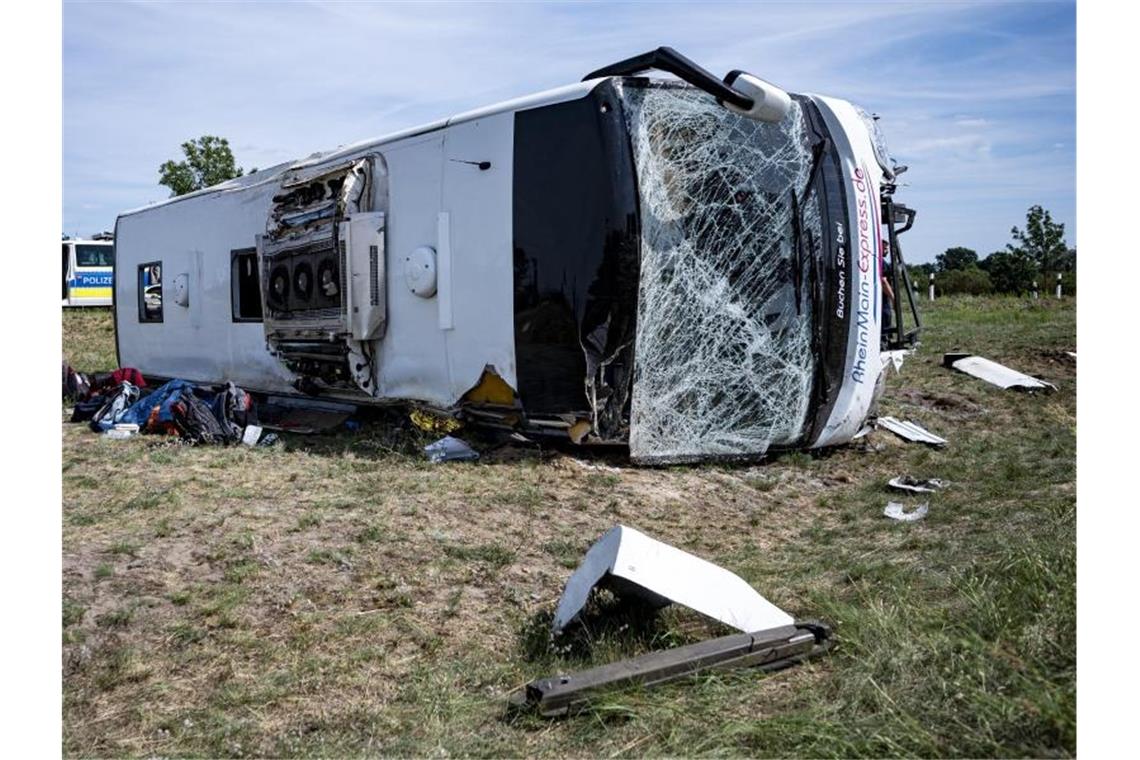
{"type": "Point", "coordinates": [337, 595]}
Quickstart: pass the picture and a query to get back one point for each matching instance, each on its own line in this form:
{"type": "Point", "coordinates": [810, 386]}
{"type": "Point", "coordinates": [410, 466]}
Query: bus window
{"type": "Point", "coordinates": [245, 285]}
{"type": "Point", "coordinates": [150, 292]}
{"type": "Point", "coordinates": [94, 255]}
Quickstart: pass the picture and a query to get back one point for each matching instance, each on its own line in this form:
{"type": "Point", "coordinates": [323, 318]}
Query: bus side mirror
{"type": "Point", "coordinates": [769, 102]}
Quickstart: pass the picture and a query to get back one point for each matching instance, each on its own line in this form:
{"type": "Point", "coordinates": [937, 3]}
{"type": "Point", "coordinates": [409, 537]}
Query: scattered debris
{"type": "Point", "coordinates": [433, 422]}
{"type": "Point", "coordinates": [914, 485]}
{"type": "Point", "coordinates": [994, 373]}
{"type": "Point", "coordinates": [895, 358]}
{"type": "Point", "coordinates": [897, 511]}
{"type": "Point", "coordinates": [251, 434]}
{"type": "Point", "coordinates": [194, 414]}
{"type": "Point", "coordinates": [910, 431]}
{"type": "Point", "coordinates": [629, 562]}
{"type": "Point", "coordinates": [450, 449]}
{"type": "Point", "coordinates": [771, 649]}
{"type": "Point", "coordinates": [121, 431]}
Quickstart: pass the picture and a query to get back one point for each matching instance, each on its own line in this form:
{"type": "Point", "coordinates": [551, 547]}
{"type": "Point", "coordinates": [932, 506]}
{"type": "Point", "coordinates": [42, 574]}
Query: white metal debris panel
{"type": "Point", "coordinates": [664, 573]}
{"type": "Point", "coordinates": [910, 431]}
{"type": "Point", "coordinates": [998, 374]}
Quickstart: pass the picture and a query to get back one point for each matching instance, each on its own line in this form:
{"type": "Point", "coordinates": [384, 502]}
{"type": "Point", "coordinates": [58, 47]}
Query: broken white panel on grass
{"type": "Point", "coordinates": [630, 562]}
{"type": "Point", "coordinates": [897, 511]}
{"type": "Point", "coordinates": [914, 485]}
{"type": "Point", "coordinates": [994, 373]}
{"type": "Point", "coordinates": [910, 431]}
{"type": "Point", "coordinates": [895, 358]}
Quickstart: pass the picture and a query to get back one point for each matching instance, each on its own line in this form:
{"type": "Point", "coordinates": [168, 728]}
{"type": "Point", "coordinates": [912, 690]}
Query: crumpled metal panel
{"type": "Point", "coordinates": [634, 563]}
{"type": "Point", "coordinates": [724, 363]}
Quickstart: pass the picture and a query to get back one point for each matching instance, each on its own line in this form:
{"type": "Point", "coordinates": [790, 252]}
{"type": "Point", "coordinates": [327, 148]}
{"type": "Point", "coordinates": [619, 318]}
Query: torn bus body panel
{"type": "Point", "coordinates": [630, 562]}
{"type": "Point", "coordinates": [322, 265]}
{"type": "Point", "coordinates": [639, 262]}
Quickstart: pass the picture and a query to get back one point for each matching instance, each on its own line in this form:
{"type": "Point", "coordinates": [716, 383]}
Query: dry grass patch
{"type": "Point", "coordinates": [339, 595]}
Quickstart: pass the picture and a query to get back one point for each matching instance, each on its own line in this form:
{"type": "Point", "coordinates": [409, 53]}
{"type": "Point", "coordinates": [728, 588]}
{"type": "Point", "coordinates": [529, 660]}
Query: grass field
{"type": "Point", "coordinates": [338, 595]}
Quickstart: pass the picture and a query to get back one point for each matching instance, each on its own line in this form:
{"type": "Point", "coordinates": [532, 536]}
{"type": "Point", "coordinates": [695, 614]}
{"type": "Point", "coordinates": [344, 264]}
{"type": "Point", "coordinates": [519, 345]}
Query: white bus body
{"type": "Point", "coordinates": [621, 259]}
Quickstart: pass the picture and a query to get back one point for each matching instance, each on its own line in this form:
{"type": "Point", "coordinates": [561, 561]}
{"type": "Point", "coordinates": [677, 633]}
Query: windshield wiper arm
{"type": "Point", "coordinates": [819, 150]}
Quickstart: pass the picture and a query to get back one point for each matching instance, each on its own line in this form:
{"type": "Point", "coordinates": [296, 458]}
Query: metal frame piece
{"type": "Point", "coordinates": [770, 650]}
{"type": "Point", "coordinates": [897, 336]}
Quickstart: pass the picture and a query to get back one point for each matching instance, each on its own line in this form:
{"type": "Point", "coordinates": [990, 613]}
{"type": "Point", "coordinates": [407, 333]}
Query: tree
{"type": "Point", "coordinates": [1042, 241]}
{"type": "Point", "coordinates": [970, 280]}
{"type": "Point", "coordinates": [956, 258]}
{"type": "Point", "coordinates": [1011, 272]}
{"type": "Point", "coordinates": [208, 162]}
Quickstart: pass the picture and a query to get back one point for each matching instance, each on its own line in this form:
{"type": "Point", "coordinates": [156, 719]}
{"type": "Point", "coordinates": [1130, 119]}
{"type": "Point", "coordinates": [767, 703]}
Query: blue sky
{"type": "Point", "coordinates": [979, 99]}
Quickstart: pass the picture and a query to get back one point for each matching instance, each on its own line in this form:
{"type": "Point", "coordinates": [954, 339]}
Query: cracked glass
{"type": "Point", "coordinates": [724, 365]}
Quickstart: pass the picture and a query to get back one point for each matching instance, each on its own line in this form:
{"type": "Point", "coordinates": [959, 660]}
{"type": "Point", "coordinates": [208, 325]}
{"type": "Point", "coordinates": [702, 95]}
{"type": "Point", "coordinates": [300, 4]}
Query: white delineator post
{"type": "Point", "coordinates": [932, 286]}
{"type": "Point", "coordinates": [1058, 284]}
{"type": "Point", "coordinates": [1035, 289]}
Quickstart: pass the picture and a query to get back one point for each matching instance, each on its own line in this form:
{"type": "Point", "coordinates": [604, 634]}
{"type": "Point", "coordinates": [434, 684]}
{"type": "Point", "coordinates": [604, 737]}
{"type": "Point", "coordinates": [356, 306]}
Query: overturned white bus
{"type": "Point", "coordinates": [691, 266]}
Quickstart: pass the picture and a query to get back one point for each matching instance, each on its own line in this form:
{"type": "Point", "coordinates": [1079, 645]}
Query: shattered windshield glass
{"type": "Point", "coordinates": [724, 363]}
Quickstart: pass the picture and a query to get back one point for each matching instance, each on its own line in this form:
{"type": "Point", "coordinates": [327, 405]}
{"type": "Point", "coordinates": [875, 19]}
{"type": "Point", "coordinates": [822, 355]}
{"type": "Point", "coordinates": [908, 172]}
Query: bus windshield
{"type": "Point", "coordinates": [724, 363]}
{"type": "Point", "coordinates": [94, 255]}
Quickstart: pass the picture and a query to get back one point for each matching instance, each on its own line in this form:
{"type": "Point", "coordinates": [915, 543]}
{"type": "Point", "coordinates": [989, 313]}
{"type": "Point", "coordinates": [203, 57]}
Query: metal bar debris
{"type": "Point", "coordinates": [772, 649]}
{"type": "Point", "coordinates": [994, 373]}
{"type": "Point", "coordinates": [910, 431]}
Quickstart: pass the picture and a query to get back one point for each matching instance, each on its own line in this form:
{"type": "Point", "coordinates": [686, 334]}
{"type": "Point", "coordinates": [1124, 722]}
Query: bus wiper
{"type": "Point", "coordinates": [819, 150]}
{"type": "Point", "coordinates": [797, 252]}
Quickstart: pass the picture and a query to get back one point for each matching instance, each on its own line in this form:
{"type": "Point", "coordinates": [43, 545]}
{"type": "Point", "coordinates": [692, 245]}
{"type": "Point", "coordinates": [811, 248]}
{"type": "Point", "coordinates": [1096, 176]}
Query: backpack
{"type": "Point", "coordinates": [76, 385]}
{"type": "Point", "coordinates": [114, 406]}
{"type": "Point", "coordinates": [234, 409]}
{"type": "Point", "coordinates": [196, 421]}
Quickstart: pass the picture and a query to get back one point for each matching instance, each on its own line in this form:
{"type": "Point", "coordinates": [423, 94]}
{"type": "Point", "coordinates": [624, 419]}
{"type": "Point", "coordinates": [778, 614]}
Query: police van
{"type": "Point", "coordinates": [88, 271]}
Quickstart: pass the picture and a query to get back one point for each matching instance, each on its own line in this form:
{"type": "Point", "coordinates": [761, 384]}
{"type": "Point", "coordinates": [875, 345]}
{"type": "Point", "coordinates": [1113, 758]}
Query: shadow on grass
{"type": "Point", "coordinates": [609, 628]}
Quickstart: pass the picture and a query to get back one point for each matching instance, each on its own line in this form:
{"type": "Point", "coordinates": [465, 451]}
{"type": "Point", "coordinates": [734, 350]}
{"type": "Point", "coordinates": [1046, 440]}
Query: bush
{"type": "Point", "coordinates": [969, 281]}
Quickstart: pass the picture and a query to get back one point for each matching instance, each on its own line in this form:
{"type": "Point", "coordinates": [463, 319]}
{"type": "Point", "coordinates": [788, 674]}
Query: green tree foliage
{"type": "Point", "coordinates": [920, 275]}
{"type": "Point", "coordinates": [956, 258]}
{"type": "Point", "coordinates": [970, 281]}
{"type": "Point", "coordinates": [1011, 272]}
{"type": "Point", "coordinates": [1042, 241]}
{"type": "Point", "coordinates": [208, 162]}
